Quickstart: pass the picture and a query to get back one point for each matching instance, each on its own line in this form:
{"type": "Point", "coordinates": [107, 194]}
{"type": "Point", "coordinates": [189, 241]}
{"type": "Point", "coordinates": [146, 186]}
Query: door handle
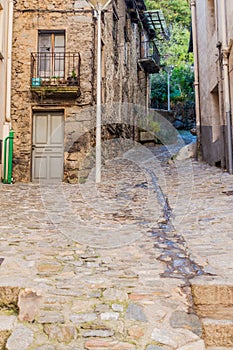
{"type": "Point", "coordinates": [33, 147]}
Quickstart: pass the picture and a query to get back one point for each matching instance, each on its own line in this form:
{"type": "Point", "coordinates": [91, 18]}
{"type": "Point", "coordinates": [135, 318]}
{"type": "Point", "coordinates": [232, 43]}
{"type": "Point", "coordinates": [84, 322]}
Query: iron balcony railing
{"type": "Point", "coordinates": [150, 58]}
{"type": "Point", "coordinates": [58, 68]}
{"type": "Point", "coordinates": [155, 54]}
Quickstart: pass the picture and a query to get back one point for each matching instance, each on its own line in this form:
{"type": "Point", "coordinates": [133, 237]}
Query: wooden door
{"type": "Point", "coordinates": [47, 148]}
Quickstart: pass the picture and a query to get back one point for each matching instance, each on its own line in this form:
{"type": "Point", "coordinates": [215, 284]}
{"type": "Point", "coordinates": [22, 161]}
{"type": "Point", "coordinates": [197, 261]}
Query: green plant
{"type": "Point", "coordinates": [174, 52]}
{"type": "Point", "coordinates": [181, 86]}
{"type": "Point", "coordinates": [73, 74]}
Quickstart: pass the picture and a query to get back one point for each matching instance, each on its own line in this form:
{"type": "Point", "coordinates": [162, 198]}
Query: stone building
{"type": "Point", "coordinates": [54, 80]}
{"type": "Point", "coordinates": [6, 16]}
{"type": "Point", "coordinates": [213, 52]}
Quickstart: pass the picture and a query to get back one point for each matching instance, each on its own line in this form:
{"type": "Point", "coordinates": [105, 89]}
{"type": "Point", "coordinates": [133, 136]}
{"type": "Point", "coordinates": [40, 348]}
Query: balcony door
{"type": "Point", "coordinates": [51, 47]}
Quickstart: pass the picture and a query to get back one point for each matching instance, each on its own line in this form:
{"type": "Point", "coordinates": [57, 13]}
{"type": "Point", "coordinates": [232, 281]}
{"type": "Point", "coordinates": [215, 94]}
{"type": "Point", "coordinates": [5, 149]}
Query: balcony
{"type": "Point", "coordinates": [150, 59]}
{"type": "Point", "coordinates": [55, 75]}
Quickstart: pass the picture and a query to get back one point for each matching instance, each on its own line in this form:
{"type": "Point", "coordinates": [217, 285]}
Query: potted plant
{"type": "Point", "coordinates": [72, 79]}
{"type": "Point", "coordinates": [54, 80]}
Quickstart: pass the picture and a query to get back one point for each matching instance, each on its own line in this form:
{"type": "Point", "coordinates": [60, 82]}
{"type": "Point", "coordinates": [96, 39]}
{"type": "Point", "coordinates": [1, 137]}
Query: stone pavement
{"type": "Point", "coordinates": [111, 266]}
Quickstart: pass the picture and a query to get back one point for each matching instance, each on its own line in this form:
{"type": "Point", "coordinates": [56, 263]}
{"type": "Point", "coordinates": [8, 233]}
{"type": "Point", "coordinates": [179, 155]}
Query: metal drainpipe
{"type": "Point", "coordinates": [8, 159]}
{"type": "Point", "coordinates": [98, 97]}
{"type": "Point", "coordinates": [226, 82]}
{"type": "Point", "coordinates": [196, 73]}
{"type": "Point", "coordinates": [9, 62]}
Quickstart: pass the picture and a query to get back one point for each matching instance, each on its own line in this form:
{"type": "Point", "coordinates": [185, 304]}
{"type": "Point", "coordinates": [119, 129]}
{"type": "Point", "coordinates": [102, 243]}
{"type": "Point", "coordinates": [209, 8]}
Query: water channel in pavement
{"type": "Point", "coordinates": [174, 251]}
{"type": "Point", "coordinates": [175, 254]}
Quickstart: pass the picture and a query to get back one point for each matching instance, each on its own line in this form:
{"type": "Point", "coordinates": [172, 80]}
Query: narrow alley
{"type": "Point", "coordinates": [141, 261]}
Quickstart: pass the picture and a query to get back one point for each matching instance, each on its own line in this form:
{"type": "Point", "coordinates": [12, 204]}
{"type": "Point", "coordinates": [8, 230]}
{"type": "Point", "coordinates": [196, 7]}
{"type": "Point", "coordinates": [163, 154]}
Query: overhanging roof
{"type": "Point", "coordinates": [153, 21]}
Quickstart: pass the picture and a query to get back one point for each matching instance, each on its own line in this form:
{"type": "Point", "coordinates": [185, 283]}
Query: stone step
{"type": "Point", "coordinates": [214, 305]}
{"type": "Point", "coordinates": [213, 300]}
{"type": "Point", "coordinates": [218, 333]}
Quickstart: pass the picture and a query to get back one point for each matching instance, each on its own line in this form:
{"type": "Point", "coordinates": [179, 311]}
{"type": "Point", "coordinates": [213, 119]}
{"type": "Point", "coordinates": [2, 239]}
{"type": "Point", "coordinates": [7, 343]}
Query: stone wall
{"type": "Point", "coordinates": [122, 82]}
{"type": "Point", "coordinates": [213, 140]}
{"type": "Point", "coordinates": [182, 116]}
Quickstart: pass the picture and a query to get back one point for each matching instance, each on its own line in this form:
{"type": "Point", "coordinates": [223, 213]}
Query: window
{"type": "Point", "coordinates": [51, 47]}
{"type": "Point", "coordinates": [1, 31]}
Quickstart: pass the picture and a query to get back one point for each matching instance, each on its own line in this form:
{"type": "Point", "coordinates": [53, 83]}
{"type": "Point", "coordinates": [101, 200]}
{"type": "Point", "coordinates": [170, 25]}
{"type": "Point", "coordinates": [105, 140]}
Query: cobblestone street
{"type": "Point", "coordinates": [112, 266]}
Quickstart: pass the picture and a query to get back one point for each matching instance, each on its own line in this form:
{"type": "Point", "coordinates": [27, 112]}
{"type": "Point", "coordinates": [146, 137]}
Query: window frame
{"type": "Point", "coordinates": [52, 68]}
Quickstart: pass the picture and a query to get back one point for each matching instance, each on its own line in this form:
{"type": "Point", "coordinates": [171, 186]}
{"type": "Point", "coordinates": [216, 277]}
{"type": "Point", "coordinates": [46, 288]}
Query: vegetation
{"type": "Point", "coordinates": [174, 53]}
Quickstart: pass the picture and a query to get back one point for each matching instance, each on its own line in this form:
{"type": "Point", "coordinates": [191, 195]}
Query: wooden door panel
{"type": "Point", "coordinates": [40, 167]}
{"type": "Point", "coordinates": [41, 129]}
{"type": "Point", "coordinates": [56, 135]}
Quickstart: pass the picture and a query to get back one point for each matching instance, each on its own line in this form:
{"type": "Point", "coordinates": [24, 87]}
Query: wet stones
{"type": "Point", "coordinates": [175, 256]}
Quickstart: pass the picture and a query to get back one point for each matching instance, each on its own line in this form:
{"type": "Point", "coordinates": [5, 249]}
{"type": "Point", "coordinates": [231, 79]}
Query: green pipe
{"type": "Point", "coordinates": [4, 164]}
{"type": "Point", "coordinates": [8, 177]}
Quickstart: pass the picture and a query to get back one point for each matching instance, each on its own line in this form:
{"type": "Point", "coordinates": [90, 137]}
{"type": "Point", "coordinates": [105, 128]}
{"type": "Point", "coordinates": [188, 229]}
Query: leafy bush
{"type": "Point", "coordinates": [174, 52]}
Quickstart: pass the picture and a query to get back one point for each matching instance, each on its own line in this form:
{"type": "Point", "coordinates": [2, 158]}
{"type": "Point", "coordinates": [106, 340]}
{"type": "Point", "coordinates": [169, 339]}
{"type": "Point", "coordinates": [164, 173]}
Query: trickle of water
{"type": "Point", "coordinates": [174, 252]}
{"type": "Point", "coordinates": [175, 256]}
{"type": "Point", "coordinates": [142, 185]}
